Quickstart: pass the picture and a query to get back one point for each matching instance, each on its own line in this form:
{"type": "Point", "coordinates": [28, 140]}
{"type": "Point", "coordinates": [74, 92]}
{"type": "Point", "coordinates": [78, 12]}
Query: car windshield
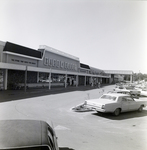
{"type": "Point", "coordinates": [109, 97]}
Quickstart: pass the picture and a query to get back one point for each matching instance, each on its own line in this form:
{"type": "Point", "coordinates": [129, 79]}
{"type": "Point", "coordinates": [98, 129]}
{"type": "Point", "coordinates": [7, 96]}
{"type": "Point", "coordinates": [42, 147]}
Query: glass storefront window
{"type": "Point", "coordinates": [56, 78]}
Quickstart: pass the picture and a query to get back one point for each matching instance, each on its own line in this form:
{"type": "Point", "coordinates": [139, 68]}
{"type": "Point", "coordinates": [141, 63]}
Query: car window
{"type": "Point", "coordinates": [109, 97]}
{"type": "Point", "coordinates": [123, 99]}
{"type": "Point", "coordinates": [123, 92]}
{"type": "Point", "coordinates": [121, 87]}
{"type": "Point", "coordinates": [130, 99]}
{"type": "Point", "coordinates": [127, 99]}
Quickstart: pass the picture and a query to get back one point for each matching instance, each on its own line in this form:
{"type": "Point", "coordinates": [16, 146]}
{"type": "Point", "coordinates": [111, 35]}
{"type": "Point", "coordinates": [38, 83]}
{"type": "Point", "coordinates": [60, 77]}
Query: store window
{"type": "Point", "coordinates": [55, 78]}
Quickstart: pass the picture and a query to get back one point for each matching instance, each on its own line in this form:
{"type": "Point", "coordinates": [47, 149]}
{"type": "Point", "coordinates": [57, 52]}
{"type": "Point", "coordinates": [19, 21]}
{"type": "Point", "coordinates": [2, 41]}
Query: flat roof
{"type": "Point", "coordinates": [53, 50]}
{"type": "Point", "coordinates": [84, 66]}
{"type": "Point", "coordinates": [21, 50]}
{"type": "Point", "coordinates": [25, 51]}
{"type": "Point", "coordinates": [122, 72]}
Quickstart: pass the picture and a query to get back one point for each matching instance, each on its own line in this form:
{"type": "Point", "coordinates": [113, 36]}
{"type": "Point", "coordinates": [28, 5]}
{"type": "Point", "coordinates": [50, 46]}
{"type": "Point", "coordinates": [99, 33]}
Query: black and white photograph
{"type": "Point", "coordinates": [73, 74]}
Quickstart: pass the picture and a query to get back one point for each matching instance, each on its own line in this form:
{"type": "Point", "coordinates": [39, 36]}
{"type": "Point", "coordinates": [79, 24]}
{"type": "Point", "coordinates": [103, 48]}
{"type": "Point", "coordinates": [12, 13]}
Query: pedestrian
{"type": "Point", "coordinates": [99, 84]}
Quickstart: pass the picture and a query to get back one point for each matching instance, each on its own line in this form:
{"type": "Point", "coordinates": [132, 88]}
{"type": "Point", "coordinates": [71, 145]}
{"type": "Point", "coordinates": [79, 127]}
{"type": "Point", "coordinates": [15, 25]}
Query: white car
{"type": "Point", "coordinates": [116, 103]}
{"type": "Point", "coordinates": [143, 92]}
{"type": "Point", "coordinates": [132, 91]}
{"type": "Point", "coordinates": [122, 92]}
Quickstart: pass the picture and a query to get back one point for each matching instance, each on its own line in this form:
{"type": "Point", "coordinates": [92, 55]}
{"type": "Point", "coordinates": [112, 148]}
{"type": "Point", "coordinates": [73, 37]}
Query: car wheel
{"type": "Point", "coordinates": [117, 112]}
{"type": "Point", "coordinates": [140, 108]}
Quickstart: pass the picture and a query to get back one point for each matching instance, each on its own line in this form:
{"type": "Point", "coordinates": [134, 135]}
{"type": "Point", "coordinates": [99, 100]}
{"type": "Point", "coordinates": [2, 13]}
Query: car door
{"type": "Point", "coordinates": [124, 104]}
{"type": "Point", "coordinates": [132, 104]}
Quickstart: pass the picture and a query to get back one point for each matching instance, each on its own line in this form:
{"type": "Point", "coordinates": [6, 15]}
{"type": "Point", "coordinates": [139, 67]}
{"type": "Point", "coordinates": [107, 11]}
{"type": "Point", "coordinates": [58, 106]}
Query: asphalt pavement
{"type": "Point", "coordinates": [87, 130]}
{"type": "Point", "coordinates": [9, 95]}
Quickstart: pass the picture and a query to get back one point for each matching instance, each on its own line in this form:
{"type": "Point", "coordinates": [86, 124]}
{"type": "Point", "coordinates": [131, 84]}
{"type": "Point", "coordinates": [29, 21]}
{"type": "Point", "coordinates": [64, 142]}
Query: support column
{"type": "Point", "coordinates": [85, 81]}
{"type": "Point", "coordinates": [37, 77]}
{"type": "Point", "coordinates": [131, 78]}
{"type": "Point", "coordinates": [77, 81]}
{"type": "Point", "coordinates": [65, 80]}
{"type": "Point", "coordinates": [91, 81]}
{"type": "Point", "coordinates": [26, 78]}
{"type": "Point", "coordinates": [97, 81]}
{"type": "Point", "coordinates": [49, 80]}
{"type": "Point", "coordinates": [5, 82]}
{"type": "Point", "coordinates": [112, 78]}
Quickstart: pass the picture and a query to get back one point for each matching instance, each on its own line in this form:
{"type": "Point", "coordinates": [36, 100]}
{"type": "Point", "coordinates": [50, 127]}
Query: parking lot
{"type": "Point", "coordinates": [81, 130]}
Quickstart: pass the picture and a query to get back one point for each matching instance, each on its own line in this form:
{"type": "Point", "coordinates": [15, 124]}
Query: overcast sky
{"type": "Point", "coordinates": [108, 35]}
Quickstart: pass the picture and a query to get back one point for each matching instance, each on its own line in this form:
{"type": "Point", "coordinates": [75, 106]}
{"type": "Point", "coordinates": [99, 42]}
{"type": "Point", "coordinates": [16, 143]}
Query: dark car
{"type": "Point", "coordinates": [27, 135]}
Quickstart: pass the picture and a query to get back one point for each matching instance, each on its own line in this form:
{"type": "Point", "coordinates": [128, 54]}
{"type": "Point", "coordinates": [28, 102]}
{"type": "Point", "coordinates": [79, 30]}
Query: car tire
{"type": "Point", "coordinates": [140, 108]}
{"type": "Point", "coordinates": [117, 112]}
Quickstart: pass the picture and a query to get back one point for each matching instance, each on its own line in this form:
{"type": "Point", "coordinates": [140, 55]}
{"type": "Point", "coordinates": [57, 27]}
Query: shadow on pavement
{"type": "Point", "coordinates": [122, 116]}
{"type": "Point", "coordinates": [10, 95]}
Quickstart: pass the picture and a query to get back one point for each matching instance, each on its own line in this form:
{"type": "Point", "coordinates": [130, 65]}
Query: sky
{"type": "Point", "coordinates": [105, 34]}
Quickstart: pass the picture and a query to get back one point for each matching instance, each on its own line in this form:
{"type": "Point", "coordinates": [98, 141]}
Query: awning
{"type": "Point", "coordinates": [37, 69]}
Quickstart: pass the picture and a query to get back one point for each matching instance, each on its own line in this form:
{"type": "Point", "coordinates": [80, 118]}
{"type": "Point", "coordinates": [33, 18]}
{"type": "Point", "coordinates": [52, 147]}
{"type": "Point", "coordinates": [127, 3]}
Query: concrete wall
{"type": "Point", "coordinates": [13, 59]}
{"type": "Point", "coordinates": [55, 61]}
{"type": "Point", "coordinates": [2, 44]}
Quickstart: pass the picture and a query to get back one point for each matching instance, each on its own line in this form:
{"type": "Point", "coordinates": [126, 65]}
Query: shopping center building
{"type": "Point", "coordinates": [46, 67]}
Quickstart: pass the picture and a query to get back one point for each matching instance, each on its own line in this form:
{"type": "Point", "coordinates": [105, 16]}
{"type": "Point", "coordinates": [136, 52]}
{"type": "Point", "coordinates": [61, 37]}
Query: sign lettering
{"type": "Point", "coordinates": [59, 64]}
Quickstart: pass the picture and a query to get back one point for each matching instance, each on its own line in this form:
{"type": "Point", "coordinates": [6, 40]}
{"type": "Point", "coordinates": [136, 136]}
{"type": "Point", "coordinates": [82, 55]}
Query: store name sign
{"type": "Point", "coordinates": [59, 64]}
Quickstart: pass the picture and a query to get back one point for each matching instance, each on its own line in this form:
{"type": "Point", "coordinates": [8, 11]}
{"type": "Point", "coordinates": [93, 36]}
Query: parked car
{"type": "Point", "coordinates": [119, 84]}
{"type": "Point", "coordinates": [125, 92]}
{"type": "Point", "coordinates": [116, 103]}
{"type": "Point", "coordinates": [27, 135]}
{"type": "Point", "coordinates": [133, 91]}
{"type": "Point", "coordinates": [143, 92]}
{"type": "Point", "coordinates": [122, 92]}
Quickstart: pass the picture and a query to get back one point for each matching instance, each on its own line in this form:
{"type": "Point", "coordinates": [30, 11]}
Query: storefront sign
{"type": "Point", "coordinates": [59, 64]}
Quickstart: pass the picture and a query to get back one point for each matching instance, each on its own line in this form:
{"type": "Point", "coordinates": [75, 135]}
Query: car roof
{"type": "Point", "coordinates": [121, 91]}
{"type": "Point", "coordinates": [22, 133]}
{"type": "Point", "coordinates": [116, 94]}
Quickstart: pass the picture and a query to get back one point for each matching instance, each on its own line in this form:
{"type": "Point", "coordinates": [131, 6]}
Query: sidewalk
{"type": "Point", "coordinates": [10, 95]}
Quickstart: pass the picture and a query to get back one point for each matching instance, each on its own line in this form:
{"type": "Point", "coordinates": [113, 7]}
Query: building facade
{"type": "Point", "coordinates": [46, 67]}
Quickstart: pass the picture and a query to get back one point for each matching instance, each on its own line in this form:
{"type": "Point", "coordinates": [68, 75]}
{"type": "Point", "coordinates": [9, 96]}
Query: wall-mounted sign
{"type": "Point", "coordinates": [54, 63]}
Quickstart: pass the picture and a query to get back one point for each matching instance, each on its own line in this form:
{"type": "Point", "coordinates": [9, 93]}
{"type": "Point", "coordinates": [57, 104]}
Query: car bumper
{"type": "Point", "coordinates": [100, 110]}
{"type": "Point", "coordinates": [96, 108]}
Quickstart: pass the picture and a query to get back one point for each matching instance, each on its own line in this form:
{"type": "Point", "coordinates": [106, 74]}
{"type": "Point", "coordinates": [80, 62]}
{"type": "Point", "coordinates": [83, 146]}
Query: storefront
{"type": "Point", "coordinates": [22, 67]}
